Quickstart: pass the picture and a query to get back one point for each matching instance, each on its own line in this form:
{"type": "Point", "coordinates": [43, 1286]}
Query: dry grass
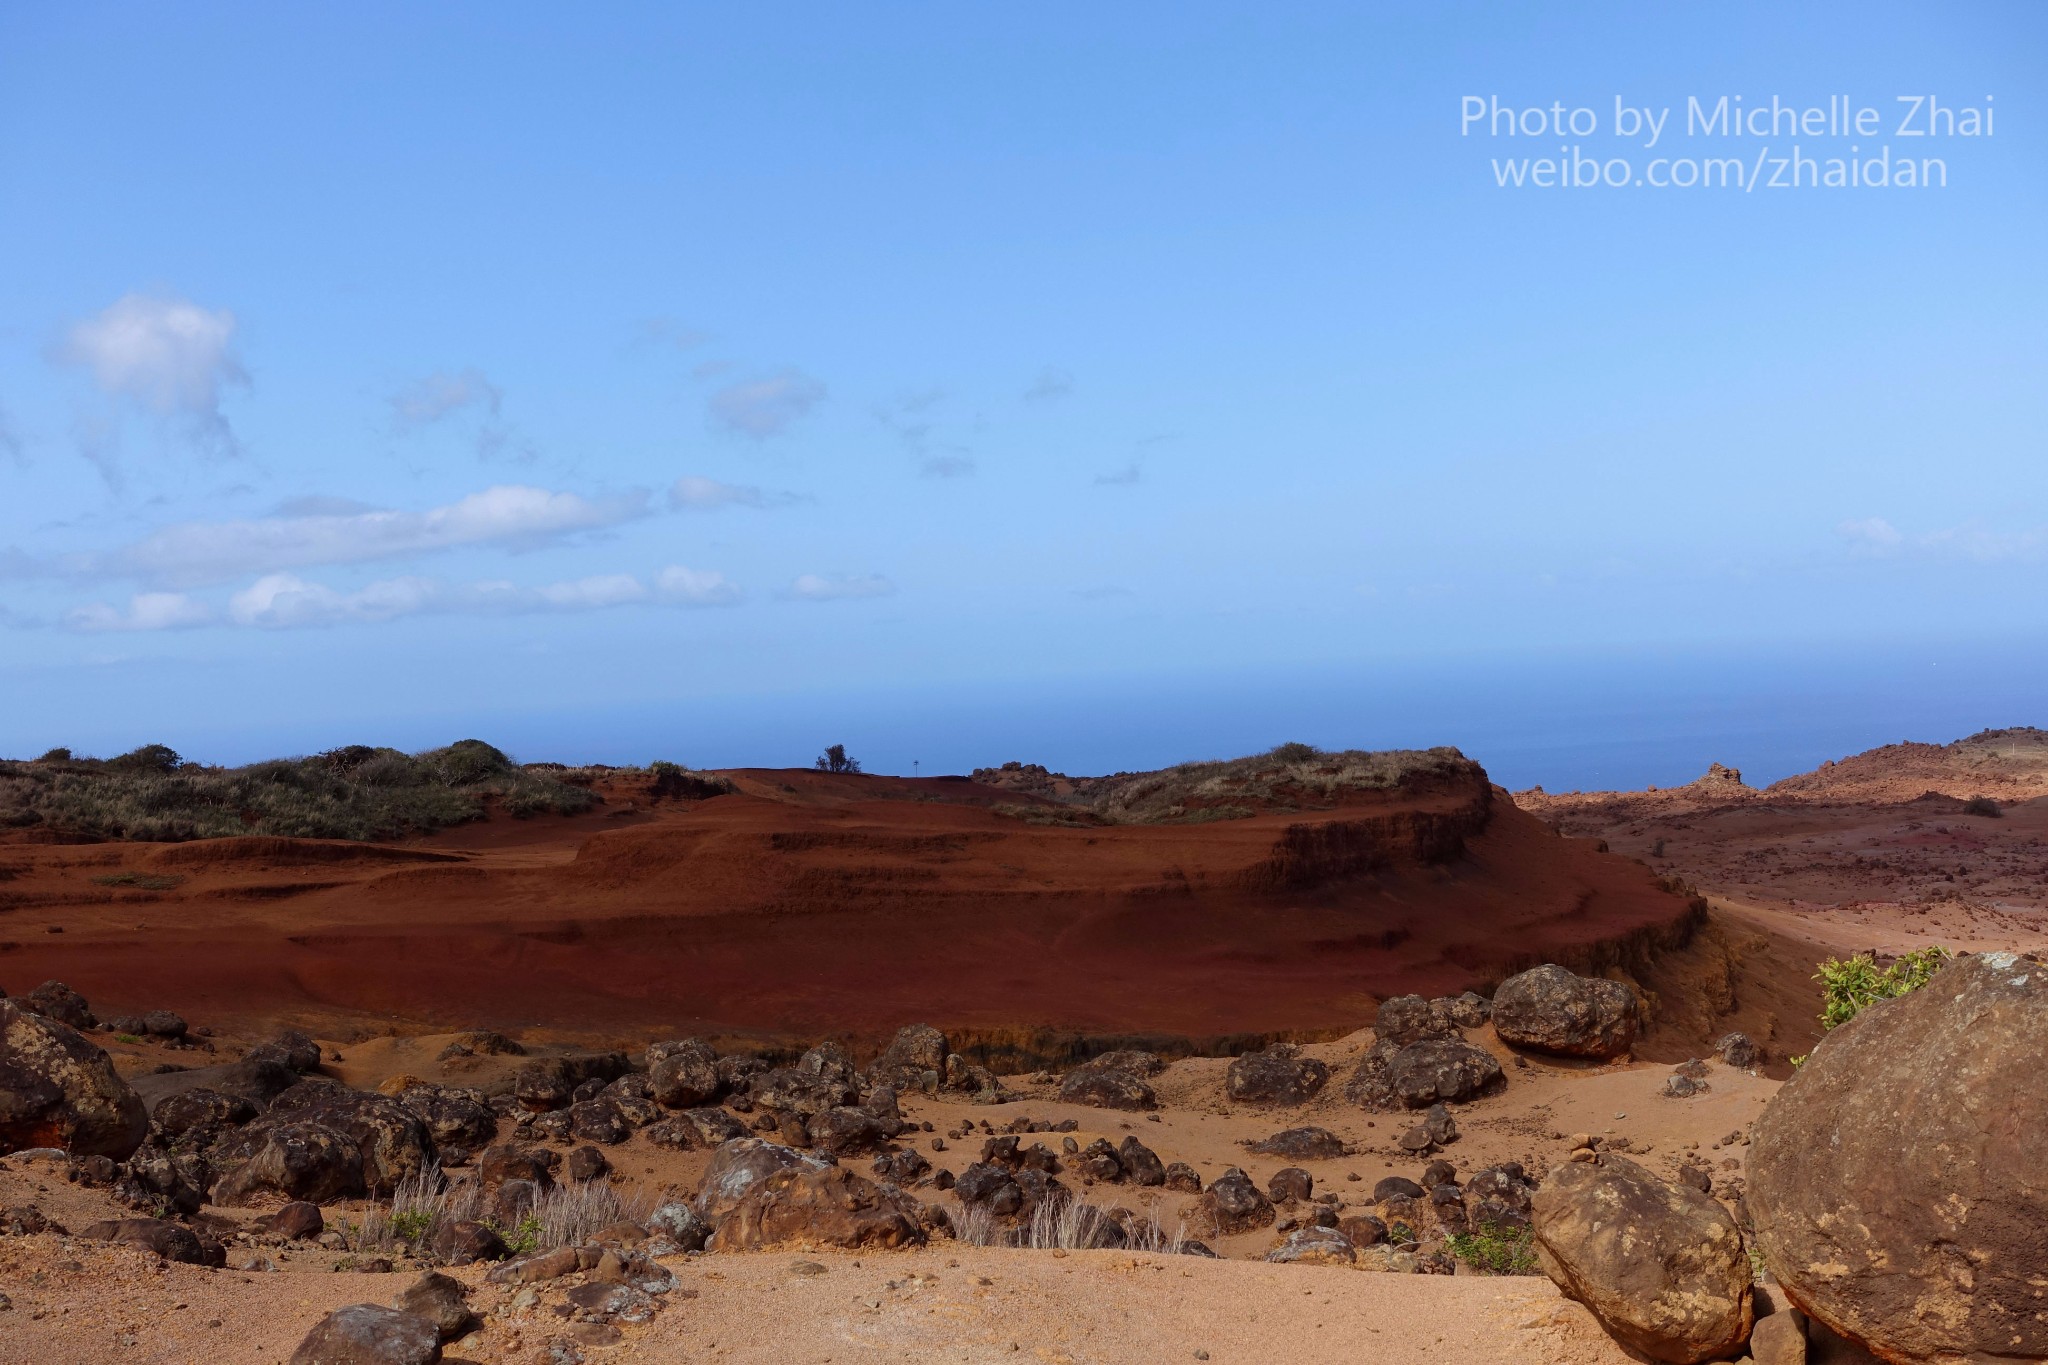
{"type": "Point", "coordinates": [1065, 1225]}
{"type": "Point", "coordinates": [567, 1215]}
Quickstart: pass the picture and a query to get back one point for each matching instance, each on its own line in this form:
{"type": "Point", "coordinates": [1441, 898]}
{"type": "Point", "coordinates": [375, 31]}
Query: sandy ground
{"type": "Point", "coordinates": [77, 1303]}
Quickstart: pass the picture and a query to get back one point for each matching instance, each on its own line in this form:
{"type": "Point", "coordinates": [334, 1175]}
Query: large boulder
{"type": "Point", "coordinates": [308, 1161]}
{"type": "Point", "coordinates": [549, 1083]}
{"type": "Point", "coordinates": [58, 1090]}
{"type": "Point", "coordinates": [683, 1074]}
{"type": "Point", "coordinates": [369, 1334]}
{"type": "Point", "coordinates": [58, 1002]}
{"type": "Point", "coordinates": [454, 1117]}
{"type": "Point", "coordinates": [1416, 1075]}
{"type": "Point", "coordinates": [828, 1206]}
{"type": "Point", "coordinates": [1106, 1087]}
{"type": "Point", "coordinates": [737, 1166]}
{"type": "Point", "coordinates": [394, 1141]}
{"type": "Point", "coordinates": [1232, 1204]}
{"type": "Point", "coordinates": [917, 1052]}
{"type": "Point", "coordinates": [1549, 1009]}
{"type": "Point", "coordinates": [1661, 1265]}
{"type": "Point", "coordinates": [1899, 1181]}
{"type": "Point", "coordinates": [1275, 1075]}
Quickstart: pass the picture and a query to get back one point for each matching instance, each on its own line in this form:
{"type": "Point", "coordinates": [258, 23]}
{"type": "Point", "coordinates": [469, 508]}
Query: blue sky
{"type": "Point", "coordinates": [966, 384]}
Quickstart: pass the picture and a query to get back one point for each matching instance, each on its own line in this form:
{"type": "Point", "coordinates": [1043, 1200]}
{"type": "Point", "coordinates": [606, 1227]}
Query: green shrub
{"type": "Point", "coordinates": [1848, 986]}
{"type": "Point", "coordinates": [1495, 1250]}
{"type": "Point", "coordinates": [1984, 806]}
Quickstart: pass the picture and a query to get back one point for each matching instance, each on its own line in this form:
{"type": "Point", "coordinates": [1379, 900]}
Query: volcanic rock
{"type": "Point", "coordinates": [914, 1059]}
{"type": "Point", "coordinates": [58, 1090]}
{"type": "Point", "coordinates": [58, 1002]}
{"type": "Point", "coordinates": [1233, 1204]}
{"type": "Point", "coordinates": [1314, 1246]}
{"type": "Point", "coordinates": [1106, 1088]}
{"type": "Point", "coordinates": [683, 1074]}
{"type": "Point", "coordinates": [1661, 1265]}
{"type": "Point", "coordinates": [1896, 1180]}
{"type": "Point", "coordinates": [819, 1206]}
{"type": "Point", "coordinates": [1549, 1009]}
{"type": "Point", "coordinates": [1275, 1075]}
{"type": "Point", "coordinates": [367, 1334]}
{"type": "Point", "coordinates": [298, 1161]}
{"type": "Point", "coordinates": [168, 1240]}
{"type": "Point", "coordinates": [739, 1165]}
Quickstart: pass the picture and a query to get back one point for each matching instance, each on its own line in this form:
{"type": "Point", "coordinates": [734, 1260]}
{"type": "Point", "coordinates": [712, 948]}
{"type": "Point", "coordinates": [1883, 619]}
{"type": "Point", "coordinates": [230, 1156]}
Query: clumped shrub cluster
{"type": "Point", "coordinates": [355, 792]}
{"type": "Point", "coordinates": [1847, 987]}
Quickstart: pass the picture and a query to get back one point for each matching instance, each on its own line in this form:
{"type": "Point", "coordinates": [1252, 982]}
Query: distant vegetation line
{"type": "Point", "coordinates": [354, 792]}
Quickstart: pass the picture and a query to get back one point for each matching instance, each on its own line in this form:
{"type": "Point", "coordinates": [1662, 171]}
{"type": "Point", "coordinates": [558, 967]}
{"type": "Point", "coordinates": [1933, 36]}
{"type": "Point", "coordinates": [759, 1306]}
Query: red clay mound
{"type": "Point", "coordinates": [810, 903]}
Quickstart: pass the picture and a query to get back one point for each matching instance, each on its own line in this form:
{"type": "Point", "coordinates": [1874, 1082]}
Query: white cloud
{"type": "Point", "coordinates": [695, 493]}
{"type": "Point", "coordinates": [168, 355]}
{"type": "Point", "coordinates": [285, 601]}
{"type": "Point", "coordinates": [765, 407]}
{"type": "Point", "coordinates": [813, 587]}
{"type": "Point", "coordinates": [695, 587]}
{"type": "Point", "coordinates": [1877, 537]}
{"type": "Point", "coordinates": [507, 515]}
{"type": "Point", "coordinates": [429, 400]}
{"type": "Point", "coordinates": [1870, 533]}
{"type": "Point", "coordinates": [1052, 382]}
{"type": "Point", "coordinates": [146, 611]}
{"type": "Point", "coordinates": [10, 440]}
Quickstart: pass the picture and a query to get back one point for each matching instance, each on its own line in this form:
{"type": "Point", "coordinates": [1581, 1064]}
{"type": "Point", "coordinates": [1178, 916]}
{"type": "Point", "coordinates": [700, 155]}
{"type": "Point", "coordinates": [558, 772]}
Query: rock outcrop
{"type": "Point", "coordinates": [1899, 1181]}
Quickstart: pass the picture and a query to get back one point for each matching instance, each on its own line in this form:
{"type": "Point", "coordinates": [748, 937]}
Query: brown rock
{"type": "Point", "coordinates": [737, 1166]}
{"type": "Point", "coordinates": [1549, 1009]}
{"type": "Point", "coordinates": [1233, 1204]}
{"type": "Point", "coordinates": [1661, 1266]}
{"type": "Point", "coordinates": [1275, 1075]}
{"type": "Point", "coordinates": [1779, 1339]}
{"type": "Point", "coordinates": [1896, 1180]}
{"type": "Point", "coordinates": [58, 1090]}
{"type": "Point", "coordinates": [826, 1206]}
{"type": "Point", "coordinates": [1106, 1088]}
{"type": "Point", "coordinates": [366, 1334]}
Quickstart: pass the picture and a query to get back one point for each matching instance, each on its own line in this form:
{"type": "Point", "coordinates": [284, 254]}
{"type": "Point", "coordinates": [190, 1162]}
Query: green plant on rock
{"type": "Point", "coordinates": [1849, 986]}
{"type": "Point", "coordinates": [1495, 1250]}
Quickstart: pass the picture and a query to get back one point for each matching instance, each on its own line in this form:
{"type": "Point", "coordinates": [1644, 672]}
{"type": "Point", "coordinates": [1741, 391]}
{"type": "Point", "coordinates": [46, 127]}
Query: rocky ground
{"type": "Point", "coordinates": [970, 1154]}
{"type": "Point", "coordinates": [1416, 1190]}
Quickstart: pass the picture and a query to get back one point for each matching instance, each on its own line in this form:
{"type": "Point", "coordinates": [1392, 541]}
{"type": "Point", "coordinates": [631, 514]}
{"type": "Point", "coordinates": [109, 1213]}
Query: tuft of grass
{"type": "Point", "coordinates": [1850, 986]}
{"type": "Point", "coordinates": [355, 792]}
{"type": "Point", "coordinates": [567, 1215]}
{"type": "Point", "coordinates": [1066, 1225]}
{"type": "Point", "coordinates": [1984, 806]}
{"type": "Point", "coordinates": [1496, 1250]}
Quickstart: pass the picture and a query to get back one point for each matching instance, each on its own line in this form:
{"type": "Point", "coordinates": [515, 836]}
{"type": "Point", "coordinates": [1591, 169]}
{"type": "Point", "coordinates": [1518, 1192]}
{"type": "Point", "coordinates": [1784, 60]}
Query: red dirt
{"type": "Point", "coordinates": [812, 904]}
